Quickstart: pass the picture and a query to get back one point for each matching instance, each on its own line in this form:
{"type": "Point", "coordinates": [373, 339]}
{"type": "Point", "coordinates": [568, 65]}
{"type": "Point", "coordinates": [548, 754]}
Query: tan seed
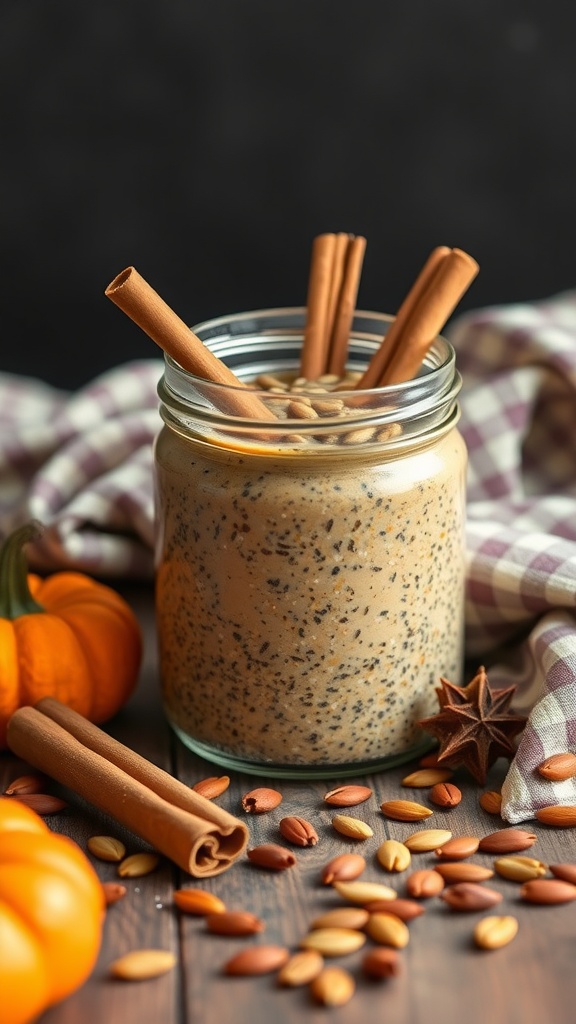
{"type": "Point", "coordinates": [406, 910]}
{"type": "Point", "coordinates": [272, 856]}
{"type": "Point", "coordinates": [491, 802]}
{"type": "Point", "coordinates": [301, 411]}
{"type": "Point", "coordinates": [301, 968]}
{"type": "Point", "coordinates": [348, 796]}
{"type": "Point", "coordinates": [393, 856]}
{"type": "Point", "coordinates": [333, 987]}
{"type": "Point", "coordinates": [212, 787]}
{"type": "Point", "coordinates": [198, 901]}
{"type": "Point", "coordinates": [24, 785]}
{"type": "Point", "coordinates": [364, 892]}
{"type": "Point", "coordinates": [458, 848]}
{"type": "Point", "coordinates": [42, 803]}
{"type": "Point", "coordinates": [426, 777]}
{"type": "Point", "coordinates": [334, 941]}
{"type": "Point", "coordinates": [404, 810]}
{"type": "Point", "coordinates": [558, 767]}
{"type": "Point", "coordinates": [113, 892]}
{"type": "Point", "coordinates": [462, 871]}
{"type": "Point", "coordinates": [548, 891]}
{"type": "Point", "coordinates": [388, 930]}
{"type": "Point", "coordinates": [567, 872]}
{"type": "Point", "coordinates": [106, 848]}
{"type": "Point", "coordinates": [257, 960]}
{"type": "Point", "coordinates": [234, 922]}
{"type": "Point", "coordinates": [519, 869]}
{"type": "Point", "coordinates": [445, 794]}
{"type": "Point", "coordinates": [138, 864]}
{"type": "Point", "coordinates": [342, 917]}
{"type": "Point", "coordinates": [470, 896]}
{"type": "Point", "coordinates": [353, 828]}
{"type": "Point", "coordinates": [261, 800]}
{"type": "Point", "coordinates": [381, 963]}
{"type": "Point", "coordinates": [494, 932]}
{"type": "Point", "coordinates": [507, 840]}
{"type": "Point", "coordinates": [343, 868]}
{"type": "Point", "coordinates": [298, 831]}
{"type": "Point", "coordinates": [141, 964]}
{"type": "Point", "coordinates": [424, 883]}
{"type": "Point", "coordinates": [427, 840]}
{"type": "Point", "coordinates": [562, 816]}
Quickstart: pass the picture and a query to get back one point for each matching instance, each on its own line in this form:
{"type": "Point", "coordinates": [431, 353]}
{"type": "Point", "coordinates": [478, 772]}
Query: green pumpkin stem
{"type": "Point", "coordinates": [15, 596]}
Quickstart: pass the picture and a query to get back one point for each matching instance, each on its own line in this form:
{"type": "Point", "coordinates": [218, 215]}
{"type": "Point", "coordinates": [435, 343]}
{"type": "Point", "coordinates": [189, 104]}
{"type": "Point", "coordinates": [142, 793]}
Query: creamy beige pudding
{"type": "Point", "coordinates": [307, 604]}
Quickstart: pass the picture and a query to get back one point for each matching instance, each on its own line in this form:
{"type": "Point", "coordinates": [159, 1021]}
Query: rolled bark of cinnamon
{"type": "Point", "coordinates": [202, 838]}
{"type": "Point", "coordinates": [344, 312]}
{"type": "Point", "coordinates": [135, 297]}
{"type": "Point", "coordinates": [316, 337]}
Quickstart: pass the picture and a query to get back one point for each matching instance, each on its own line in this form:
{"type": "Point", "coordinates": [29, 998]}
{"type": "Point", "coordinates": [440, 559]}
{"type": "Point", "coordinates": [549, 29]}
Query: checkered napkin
{"type": "Point", "coordinates": [81, 464]}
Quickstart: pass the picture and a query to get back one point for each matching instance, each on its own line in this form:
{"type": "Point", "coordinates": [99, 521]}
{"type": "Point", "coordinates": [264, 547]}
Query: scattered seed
{"type": "Point", "coordinates": [138, 864]}
{"type": "Point", "coordinates": [141, 964]}
{"type": "Point", "coordinates": [106, 848]}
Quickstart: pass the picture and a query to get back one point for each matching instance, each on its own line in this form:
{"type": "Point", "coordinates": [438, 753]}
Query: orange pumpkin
{"type": "Point", "coordinates": [51, 915]}
{"type": "Point", "coordinates": [66, 636]}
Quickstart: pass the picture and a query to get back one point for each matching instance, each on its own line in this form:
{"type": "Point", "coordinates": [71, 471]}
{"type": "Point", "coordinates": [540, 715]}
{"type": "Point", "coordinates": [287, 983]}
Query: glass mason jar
{"type": "Point", "coordinates": [309, 571]}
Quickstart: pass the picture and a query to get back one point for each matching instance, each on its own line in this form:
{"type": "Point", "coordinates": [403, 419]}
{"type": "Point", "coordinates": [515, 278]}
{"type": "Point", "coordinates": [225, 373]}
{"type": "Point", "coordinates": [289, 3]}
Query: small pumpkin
{"type": "Point", "coordinates": [66, 636]}
{"type": "Point", "coordinates": [51, 915]}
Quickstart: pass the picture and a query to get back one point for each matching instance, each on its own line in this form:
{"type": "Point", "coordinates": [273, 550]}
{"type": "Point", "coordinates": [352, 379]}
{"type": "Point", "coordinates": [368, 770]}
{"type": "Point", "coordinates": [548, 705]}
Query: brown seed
{"type": "Point", "coordinates": [272, 856]}
{"type": "Point", "coordinates": [198, 901]}
{"type": "Point", "coordinates": [426, 777]}
{"type": "Point", "coordinates": [406, 910]}
{"type": "Point", "coordinates": [491, 802]}
{"type": "Point", "coordinates": [113, 892]}
{"type": "Point", "coordinates": [137, 865]}
{"type": "Point", "coordinates": [234, 922]}
{"type": "Point", "coordinates": [342, 917]}
{"type": "Point", "coordinates": [507, 840]}
{"type": "Point", "coordinates": [353, 828]}
{"type": "Point", "coordinates": [388, 930]}
{"type": "Point", "coordinates": [301, 968]}
{"type": "Point", "coordinates": [106, 848]}
{"type": "Point", "coordinates": [298, 831]}
{"type": "Point", "coordinates": [427, 840]}
{"type": "Point", "coordinates": [42, 803]}
{"type": "Point", "coordinates": [334, 941]}
{"type": "Point", "coordinates": [364, 892]}
{"type": "Point", "coordinates": [348, 796]}
{"type": "Point", "coordinates": [343, 868]}
{"type": "Point", "coordinates": [404, 810]}
{"type": "Point", "coordinates": [558, 767]}
{"type": "Point", "coordinates": [381, 963]}
{"type": "Point", "coordinates": [424, 883]}
{"type": "Point", "coordinates": [429, 760]}
{"type": "Point", "coordinates": [445, 794]}
{"type": "Point", "coordinates": [141, 964]}
{"type": "Point", "coordinates": [257, 960]}
{"type": "Point", "coordinates": [393, 856]}
{"type": "Point", "coordinates": [469, 896]}
{"type": "Point", "coordinates": [260, 800]}
{"type": "Point", "coordinates": [463, 871]}
{"type": "Point", "coordinates": [212, 787]}
{"type": "Point", "coordinates": [519, 869]}
{"type": "Point", "coordinates": [548, 891]}
{"type": "Point", "coordinates": [567, 872]}
{"type": "Point", "coordinates": [458, 848]}
{"type": "Point", "coordinates": [333, 987]}
{"type": "Point", "coordinates": [494, 932]}
{"type": "Point", "coordinates": [26, 784]}
{"type": "Point", "coordinates": [562, 816]}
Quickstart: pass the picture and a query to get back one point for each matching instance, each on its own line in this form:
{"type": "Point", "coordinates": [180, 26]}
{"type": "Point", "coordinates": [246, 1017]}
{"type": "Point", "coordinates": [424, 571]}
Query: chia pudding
{"type": "Point", "coordinates": [308, 598]}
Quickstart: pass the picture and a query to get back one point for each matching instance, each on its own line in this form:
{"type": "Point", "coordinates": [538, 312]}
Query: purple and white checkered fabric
{"type": "Point", "coordinates": [82, 465]}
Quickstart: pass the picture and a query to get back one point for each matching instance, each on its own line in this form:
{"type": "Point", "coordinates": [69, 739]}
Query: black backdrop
{"type": "Point", "coordinates": [208, 142]}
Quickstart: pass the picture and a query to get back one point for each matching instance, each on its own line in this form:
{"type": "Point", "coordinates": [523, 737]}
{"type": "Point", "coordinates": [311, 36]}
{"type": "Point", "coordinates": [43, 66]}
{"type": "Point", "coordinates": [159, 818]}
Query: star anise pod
{"type": "Point", "coordinates": [474, 726]}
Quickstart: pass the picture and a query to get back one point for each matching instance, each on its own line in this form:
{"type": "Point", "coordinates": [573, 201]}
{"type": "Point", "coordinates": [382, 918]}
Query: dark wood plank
{"type": "Point", "coordinates": [444, 977]}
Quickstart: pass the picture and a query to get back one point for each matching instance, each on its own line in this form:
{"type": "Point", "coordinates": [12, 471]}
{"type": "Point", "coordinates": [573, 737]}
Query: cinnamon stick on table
{"type": "Point", "coordinates": [195, 833]}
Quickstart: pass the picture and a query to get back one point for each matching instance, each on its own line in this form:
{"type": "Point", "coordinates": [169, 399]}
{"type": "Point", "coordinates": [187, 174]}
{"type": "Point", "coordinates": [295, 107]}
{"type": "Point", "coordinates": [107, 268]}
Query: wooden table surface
{"type": "Point", "coordinates": [444, 978]}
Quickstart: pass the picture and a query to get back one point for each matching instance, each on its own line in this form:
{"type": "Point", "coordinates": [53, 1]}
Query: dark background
{"type": "Point", "coordinates": [208, 142]}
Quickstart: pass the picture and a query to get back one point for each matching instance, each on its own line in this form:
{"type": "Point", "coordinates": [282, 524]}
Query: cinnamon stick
{"type": "Point", "coordinates": [378, 365]}
{"type": "Point", "coordinates": [315, 344]}
{"type": "Point", "coordinates": [135, 297]}
{"type": "Point", "coordinates": [338, 267]}
{"type": "Point", "coordinates": [342, 321]}
{"type": "Point", "coordinates": [199, 836]}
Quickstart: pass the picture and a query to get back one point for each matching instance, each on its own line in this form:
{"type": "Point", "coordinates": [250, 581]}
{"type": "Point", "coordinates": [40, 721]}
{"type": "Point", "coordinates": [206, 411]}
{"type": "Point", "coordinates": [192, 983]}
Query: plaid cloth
{"type": "Point", "coordinates": [81, 464]}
